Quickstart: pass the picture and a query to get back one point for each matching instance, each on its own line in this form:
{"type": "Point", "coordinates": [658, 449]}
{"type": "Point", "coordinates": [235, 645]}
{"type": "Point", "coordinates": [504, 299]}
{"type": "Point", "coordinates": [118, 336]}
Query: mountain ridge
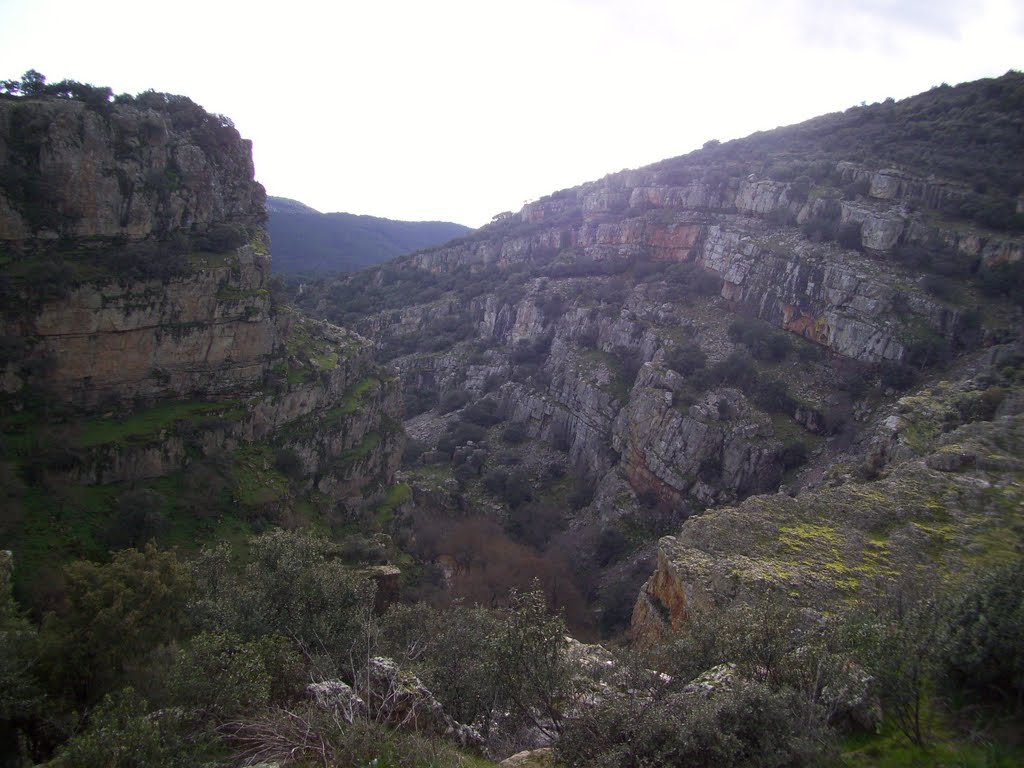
{"type": "Point", "coordinates": [711, 327]}
{"type": "Point", "coordinates": [309, 242]}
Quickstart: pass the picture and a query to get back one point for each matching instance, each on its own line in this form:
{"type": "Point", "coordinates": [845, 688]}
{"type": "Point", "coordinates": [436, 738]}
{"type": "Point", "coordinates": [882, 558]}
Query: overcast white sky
{"type": "Point", "coordinates": [459, 109]}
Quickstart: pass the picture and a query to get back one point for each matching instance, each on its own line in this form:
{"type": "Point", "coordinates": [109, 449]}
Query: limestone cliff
{"type": "Point", "coordinates": [857, 301]}
{"type": "Point", "coordinates": [208, 330]}
{"type": "Point", "coordinates": [136, 168]}
{"type": "Point", "coordinates": [571, 309]}
{"type": "Point", "coordinates": [941, 494]}
{"type": "Point", "coordinates": [142, 347]}
{"type": "Point", "coordinates": [689, 335]}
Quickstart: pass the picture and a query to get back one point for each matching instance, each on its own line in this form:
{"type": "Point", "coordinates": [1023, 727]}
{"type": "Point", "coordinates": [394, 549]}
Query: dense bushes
{"type": "Point", "coordinates": [453, 400]}
{"type": "Point", "coordinates": [746, 725]}
{"type": "Point", "coordinates": [984, 657]}
{"type": "Point", "coordinates": [936, 256]}
{"type": "Point", "coordinates": [685, 358]}
{"type": "Point", "coordinates": [764, 341]}
{"type": "Point", "coordinates": [481, 665]}
{"type": "Point", "coordinates": [688, 279]}
{"type": "Point", "coordinates": [758, 706]}
{"type": "Point", "coordinates": [140, 516]}
{"type": "Point", "coordinates": [1004, 279]}
{"type": "Point", "coordinates": [183, 665]}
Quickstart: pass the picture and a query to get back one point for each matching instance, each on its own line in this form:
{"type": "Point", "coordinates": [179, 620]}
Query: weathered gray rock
{"type": "Point", "coordinates": [210, 330]}
{"type": "Point", "coordinates": [338, 697]}
{"type": "Point", "coordinates": [399, 698]}
{"type": "Point", "coordinates": [717, 679]}
{"type": "Point", "coordinates": [530, 758]}
{"type": "Point", "coordinates": [129, 172]}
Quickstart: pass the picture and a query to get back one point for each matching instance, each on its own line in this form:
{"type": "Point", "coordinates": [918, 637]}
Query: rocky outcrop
{"type": "Point", "coordinates": [858, 304]}
{"type": "Point", "coordinates": [139, 300]}
{"type": "Point", "coordinates": [931, 509]}
{"type": "Point", "coordinates": [386, 694]}
{"type": "Point", "coordinates": [341, 425]}
{"type": "Point", "coordinates": [210, 330]}
{"type": "Point", "coordinates": [131, 170]}
{"type": "Point", "coordinates": [398, 698]}
{"type": "Point", "coordinates": [530, 758]}
{"type": "Point", "coordinates": [670, 451]}
{"type": "Point", "coordinates": [338, 698]}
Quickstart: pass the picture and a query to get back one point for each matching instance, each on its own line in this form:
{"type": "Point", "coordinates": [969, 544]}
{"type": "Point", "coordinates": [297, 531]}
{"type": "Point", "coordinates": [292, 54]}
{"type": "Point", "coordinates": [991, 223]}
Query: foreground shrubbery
{"type": "Point", "coordinates": [784, 684]}
{"type": "Point", "coordinates": [147, 660]}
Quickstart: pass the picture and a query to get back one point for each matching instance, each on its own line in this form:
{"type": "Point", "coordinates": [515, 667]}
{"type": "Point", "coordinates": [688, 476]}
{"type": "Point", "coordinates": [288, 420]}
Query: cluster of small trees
{"type": "Point", "coordinates": [149, 659]}
{"type": "Point", "coordinates": [763, 340]}
{"type": "Point", "coordinates": [33, 85]}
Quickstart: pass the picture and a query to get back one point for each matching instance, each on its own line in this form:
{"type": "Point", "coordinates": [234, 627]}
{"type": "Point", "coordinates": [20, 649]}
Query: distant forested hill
{"type": "Point", "coordinates": [307, 241]}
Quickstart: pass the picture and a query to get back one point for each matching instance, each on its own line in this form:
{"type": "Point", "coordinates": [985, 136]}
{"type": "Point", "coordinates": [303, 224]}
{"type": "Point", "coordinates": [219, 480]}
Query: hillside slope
{"type": "Point", "coordinates": [308, 242]}
{"type": "Point", "coordinates": [143, 352]}
{"type": "Point", "coordinates": [716, 326]}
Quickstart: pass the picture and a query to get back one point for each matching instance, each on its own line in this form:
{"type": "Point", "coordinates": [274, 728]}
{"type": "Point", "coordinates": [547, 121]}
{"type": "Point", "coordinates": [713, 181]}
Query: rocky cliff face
{"type": "Point", "coordinates": [710, 328]}
{"type": "Point", "coordinates": [596, 286]}
{"type": "Point", "coordinates": [939, 495]}
{"type": "Point", "coordinates": [150, 167]}
{"type": "Point", "coordinates": [140, 340]}
{"type": "Point", "coordinates": [857, 301]}
{"type": "Point", "coordinates": [210, 330]}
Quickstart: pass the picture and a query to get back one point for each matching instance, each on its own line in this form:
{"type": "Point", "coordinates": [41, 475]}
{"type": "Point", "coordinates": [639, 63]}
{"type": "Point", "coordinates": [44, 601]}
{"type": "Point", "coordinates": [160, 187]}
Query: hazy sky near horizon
{"type": "Point", "coordinates": [459, 109]}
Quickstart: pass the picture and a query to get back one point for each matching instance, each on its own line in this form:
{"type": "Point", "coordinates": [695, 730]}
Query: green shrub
{"type": "Point", "coordinates": [793, 454]}
{"type": "Point", "coordinates": [483, 413]}
{"type": "Point", "coordinates": [453, 400]}
{"type": "Point", "coordinates": [310, 735]}
{"type": "Point", "coordinates": [294, 584]}
{"type": "Point", "coordinates": [140, 516]}
{"type": "Point", "coordinates": [685, 358]}
{"type": "Point", "coordinates": [419, 400]}
{"type": "Point", "coordinates": [288, 463]}
{"type": "Point", "coordinates": [611, 545]}
{"type": "Point", "coordinates": [582, 493]}
{"type": "Point", "coordinates": [737, 370]}
{"type": "Point", "coordinates": [763, 341]}
{"type": "Point", "coordinates": [413, 450]}
{"type": "Point", "coordinates": [985, 657]}
{"type": "Point", "coordinates": [616, 605]}
{"type": "Point", "coordinates": [112, 616]}
{"type": "Point", "coordinates": [514, 433]}
{"type": "Point", "coordinates": [772, 396]}
{"type": "Point", "coordinates": [459, 433]}
{"type": "Point", "coordinates": [1004, 279]}
{"type": "Point", "coordinates": [896, 375]}
{"type": "Point", "coordinates": [940, 287]}
{"type": "Point", "coordinates": [849, 236]}
{"type": "Point", "coordinates": [535, 523]}
{"type": "Point", "coordinates": [743, 725]}
{"type": "Point", "coordinates": [121, 733]}
{"type": "Point", "coordinates": [494, 481]}
{"type": "Point", "coordinates": [226, 677]}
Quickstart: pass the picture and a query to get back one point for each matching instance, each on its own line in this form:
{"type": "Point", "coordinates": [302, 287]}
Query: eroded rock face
{"type": "Point", "coordinates": [942, 498]}
{"type": "Point", "coordinates": [128, 172]}
{"type": "Point", "coordinates": [111, 341]}
{"type": "Point", "coordinates": [667, 449]}
{"type": "Point", "coordinates": [860, 305]}
{"type": "Point", "coordinates": [530, 758]}
{"type": "Point", "coordinates": [210, 330]}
